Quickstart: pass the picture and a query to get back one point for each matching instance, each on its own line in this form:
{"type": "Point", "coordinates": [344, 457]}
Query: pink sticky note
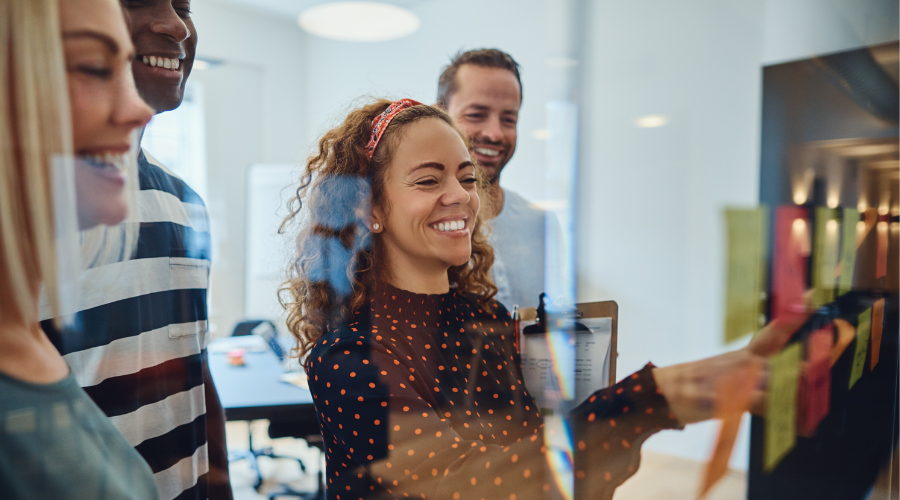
{"type": "Point", "coordinates": [789, 261]}
{"type": "Point", "coordinates": [877, 326]}
{"type": "Point", "coordinates": [815, 382]}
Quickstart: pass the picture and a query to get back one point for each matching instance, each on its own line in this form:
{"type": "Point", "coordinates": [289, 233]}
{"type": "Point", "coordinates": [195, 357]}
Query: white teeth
{"type": "Point", "coordinates": [112, 161]}
{"type": "Point", "coordinates": [487, 152]}
{"type": "Point", "coordinates": [450, 226]}
{"type": "Point", "coordinates": [161, 62]}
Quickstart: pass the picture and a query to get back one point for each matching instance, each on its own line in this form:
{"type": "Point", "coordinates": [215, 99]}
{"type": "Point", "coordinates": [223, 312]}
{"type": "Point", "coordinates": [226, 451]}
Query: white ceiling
{"type": "Point", "coordinates": [291, 9]}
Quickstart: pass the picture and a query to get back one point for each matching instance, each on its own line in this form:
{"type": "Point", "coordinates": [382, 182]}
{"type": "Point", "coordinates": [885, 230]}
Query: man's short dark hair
{"type": "Point", "coordinates": [486, 58]}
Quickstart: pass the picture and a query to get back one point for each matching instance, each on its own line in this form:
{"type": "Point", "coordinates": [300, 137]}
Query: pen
{"type": "Point", "coordinates": [515, 317]}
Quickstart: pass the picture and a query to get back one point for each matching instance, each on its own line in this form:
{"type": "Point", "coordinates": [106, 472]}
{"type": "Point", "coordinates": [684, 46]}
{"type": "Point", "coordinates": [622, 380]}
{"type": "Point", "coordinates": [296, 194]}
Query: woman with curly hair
{"type": "Point", "coordinates": [411, 362]}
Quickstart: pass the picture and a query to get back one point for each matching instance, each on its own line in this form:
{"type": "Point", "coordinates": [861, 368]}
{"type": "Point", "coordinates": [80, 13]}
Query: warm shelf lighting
{"type": "Point", "coordinates": [359, 21]}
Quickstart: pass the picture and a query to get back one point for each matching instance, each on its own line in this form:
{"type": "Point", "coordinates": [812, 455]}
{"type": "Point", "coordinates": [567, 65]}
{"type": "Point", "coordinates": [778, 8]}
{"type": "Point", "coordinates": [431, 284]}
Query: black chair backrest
{"type": "Point", "coordinates": [246, 327]}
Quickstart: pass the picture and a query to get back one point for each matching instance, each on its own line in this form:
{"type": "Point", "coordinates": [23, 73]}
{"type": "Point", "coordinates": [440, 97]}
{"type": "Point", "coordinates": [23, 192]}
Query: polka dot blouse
{"type": "Point", "coordinates": [421, 396]}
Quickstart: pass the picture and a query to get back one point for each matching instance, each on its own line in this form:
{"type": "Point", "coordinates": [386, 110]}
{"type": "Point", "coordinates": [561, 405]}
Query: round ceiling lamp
{"type": "Point", "coordinates": [359, 21]}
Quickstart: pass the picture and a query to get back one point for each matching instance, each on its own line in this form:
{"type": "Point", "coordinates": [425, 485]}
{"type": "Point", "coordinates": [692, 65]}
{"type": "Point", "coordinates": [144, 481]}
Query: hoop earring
{"type": "Point", "coordinates": [375, 226]}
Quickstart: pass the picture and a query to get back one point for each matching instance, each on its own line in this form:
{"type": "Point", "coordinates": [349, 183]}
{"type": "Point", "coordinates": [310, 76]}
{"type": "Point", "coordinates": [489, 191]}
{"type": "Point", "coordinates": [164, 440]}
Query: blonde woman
{"type": "Point", "coordinates": [54, 442]}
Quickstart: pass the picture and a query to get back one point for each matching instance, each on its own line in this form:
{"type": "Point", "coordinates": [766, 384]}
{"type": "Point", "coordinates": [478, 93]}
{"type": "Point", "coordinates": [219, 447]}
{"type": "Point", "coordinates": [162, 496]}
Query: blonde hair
{"type": "Point", "coordinates": [34, 127]}
{"type": "Point", "coordinates": [336, 256]}
{"type": "Point", "coordinates": [35, 132]}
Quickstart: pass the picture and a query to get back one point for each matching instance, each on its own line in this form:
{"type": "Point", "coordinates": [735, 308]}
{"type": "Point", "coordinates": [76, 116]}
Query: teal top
{"type": "Point", "coordinates": [55, 443]}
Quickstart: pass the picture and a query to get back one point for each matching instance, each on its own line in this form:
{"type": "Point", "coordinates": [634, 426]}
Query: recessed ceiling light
{"type": "Point", "coordinates": [359, 21]}
{"type": "Point", "coordinates": [651, 121]}
{"type": "Point", "coordinates": [541, 134]}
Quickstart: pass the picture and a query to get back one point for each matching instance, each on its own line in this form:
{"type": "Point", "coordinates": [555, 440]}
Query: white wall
{"type": "Point", "coordinates": [650, 198]}
{"type": "Point", "coordinates": [340, 72]}
{"type": "Point", "coordinates": [797, 29]}
{"type": "Point", "coordinates": [255, 109]}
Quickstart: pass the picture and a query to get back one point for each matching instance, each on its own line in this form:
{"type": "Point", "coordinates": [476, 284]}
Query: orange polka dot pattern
{"type": "Point", "coordinates": [421, 396]}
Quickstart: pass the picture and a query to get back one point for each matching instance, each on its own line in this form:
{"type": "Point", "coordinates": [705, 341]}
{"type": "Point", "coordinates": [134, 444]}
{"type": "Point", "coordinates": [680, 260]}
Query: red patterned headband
{"type": "Point", "coordinates": [381, 122]}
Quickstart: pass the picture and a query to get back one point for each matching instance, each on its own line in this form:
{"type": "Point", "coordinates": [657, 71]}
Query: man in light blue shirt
{"type": "Point", "coordinates": [482, 91]}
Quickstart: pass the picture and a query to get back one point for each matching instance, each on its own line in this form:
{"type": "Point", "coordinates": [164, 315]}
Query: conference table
{"type": "Point", "coordinates": [255, 391]}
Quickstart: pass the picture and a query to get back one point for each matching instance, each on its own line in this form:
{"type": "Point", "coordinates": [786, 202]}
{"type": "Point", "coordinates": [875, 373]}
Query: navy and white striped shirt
{"type": "Point", "coordinates": [141, 329]}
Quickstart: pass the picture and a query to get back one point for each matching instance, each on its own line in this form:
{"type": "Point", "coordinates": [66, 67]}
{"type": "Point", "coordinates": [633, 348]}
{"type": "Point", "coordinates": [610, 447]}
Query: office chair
{"type": "Point", "coordinates": [267, 330]}
{"type": "Point", "coordinates": [313, 436]}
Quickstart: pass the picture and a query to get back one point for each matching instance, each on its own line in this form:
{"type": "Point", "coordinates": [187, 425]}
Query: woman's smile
{"type": "Point", "coordinates": [454, 226]}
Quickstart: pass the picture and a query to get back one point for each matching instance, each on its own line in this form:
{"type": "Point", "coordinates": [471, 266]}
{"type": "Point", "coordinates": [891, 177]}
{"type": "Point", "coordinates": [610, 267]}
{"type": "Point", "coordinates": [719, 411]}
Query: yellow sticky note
{"type": "Point", "coordinates": [781, 405]}
{"type": "Point", "coordinates": [824, 256]}
{"type": "Point", "coordinates": [848, 250]}
{"type": "Point", "coordinates": [746, 271]}
{"type": "Point", "coordinates": [862, 345]}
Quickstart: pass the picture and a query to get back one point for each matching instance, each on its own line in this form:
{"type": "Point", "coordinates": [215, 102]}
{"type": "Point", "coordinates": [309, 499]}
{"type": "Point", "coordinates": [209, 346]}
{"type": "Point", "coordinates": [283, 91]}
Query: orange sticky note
{"type": "Point", "coordinates": [882, 251]}
{"type": "Point", "coordinates": [845, 334]}
{"type": "Point", "coordinates": [781, 406]}
{"type": "Point", "coordinates": [814, 397]}
{"type": "Point", "coordinates": [734, 392]}
{"type": "Point", "coordinates": [877, 325]}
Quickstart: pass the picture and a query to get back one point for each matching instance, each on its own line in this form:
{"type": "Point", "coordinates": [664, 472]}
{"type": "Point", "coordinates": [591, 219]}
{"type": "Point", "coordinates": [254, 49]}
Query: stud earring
{"type": "Point", "coordinates": [375, 226]}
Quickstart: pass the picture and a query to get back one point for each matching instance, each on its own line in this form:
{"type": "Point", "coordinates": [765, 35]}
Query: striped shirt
{"type": "Point", "coordinates": [141, 330]}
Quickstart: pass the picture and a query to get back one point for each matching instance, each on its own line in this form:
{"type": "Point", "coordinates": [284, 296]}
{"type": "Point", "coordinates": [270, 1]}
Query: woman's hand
{"type": "Point", "coordinates": [695, 391]}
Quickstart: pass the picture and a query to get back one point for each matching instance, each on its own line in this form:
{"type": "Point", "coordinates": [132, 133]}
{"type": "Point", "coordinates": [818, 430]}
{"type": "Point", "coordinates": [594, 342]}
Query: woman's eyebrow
{"type": "Point", "coordinates": [465, 164]}
{"type": "Point", "coordinates": [96, 35]}
{"type": "Point", "coordinates": [429, 164]}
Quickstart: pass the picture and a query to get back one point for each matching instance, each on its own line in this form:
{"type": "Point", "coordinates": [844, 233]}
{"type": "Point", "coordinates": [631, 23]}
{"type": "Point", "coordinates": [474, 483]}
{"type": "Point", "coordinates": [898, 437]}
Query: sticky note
{"type": "Point", "coordinates": [848, 250]}
{"type": "Point", "coordinates": [877, 326]}
{"type": "Point", "coordinates": [781, 406]}
{"type": "Point", "coordinates": [746, 271]}
{"type": "Point", "coordinates": [789, 258]}
{"type": "Point", "coordinates": [814, 396]}
{"type": "Point", "coordinates": [862, 346]}
{"type": "Point", "coordinates": [845, 334]}
{"type": "Point", "coordinates": [881, 254]}
{"type": "Point", "coordinates": [824, 256]}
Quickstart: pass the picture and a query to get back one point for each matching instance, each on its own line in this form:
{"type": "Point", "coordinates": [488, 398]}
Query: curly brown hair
{"type": "Point", "coordinates": [335, 263]}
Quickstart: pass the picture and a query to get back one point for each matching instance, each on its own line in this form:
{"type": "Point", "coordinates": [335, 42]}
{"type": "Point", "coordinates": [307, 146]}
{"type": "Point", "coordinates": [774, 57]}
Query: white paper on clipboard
{"type": "Point", "coordinates": [592, 358]}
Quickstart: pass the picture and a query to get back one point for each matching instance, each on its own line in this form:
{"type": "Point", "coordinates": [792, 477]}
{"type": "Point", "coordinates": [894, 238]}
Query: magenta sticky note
{"type": "Point", "coordinates": [815, 382]}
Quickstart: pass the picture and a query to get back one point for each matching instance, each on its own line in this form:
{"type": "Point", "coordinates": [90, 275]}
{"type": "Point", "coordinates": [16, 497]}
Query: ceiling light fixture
{"type": "Point", "coordinates": [651, 121]}
{"type": "Point", "coordinates": [359, 21]}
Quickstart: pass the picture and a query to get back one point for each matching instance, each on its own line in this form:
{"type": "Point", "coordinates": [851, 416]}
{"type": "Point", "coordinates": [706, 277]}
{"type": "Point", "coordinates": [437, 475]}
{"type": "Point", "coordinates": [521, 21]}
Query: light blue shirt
{"type": "Point", "coordinates": [518, 235]}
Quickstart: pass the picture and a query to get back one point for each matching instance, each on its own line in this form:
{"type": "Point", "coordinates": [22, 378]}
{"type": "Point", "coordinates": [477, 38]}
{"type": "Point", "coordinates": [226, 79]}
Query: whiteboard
{"type": "Point", "coordinates": [269, 188]}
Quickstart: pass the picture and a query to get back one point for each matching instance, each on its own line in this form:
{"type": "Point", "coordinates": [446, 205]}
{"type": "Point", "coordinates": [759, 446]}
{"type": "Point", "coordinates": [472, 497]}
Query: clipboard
{"type": "Point", "coordinates": [583, 311]}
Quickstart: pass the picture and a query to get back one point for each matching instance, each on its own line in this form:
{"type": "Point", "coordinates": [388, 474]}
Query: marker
{"type": "Point", "coordinates": [515, 318]}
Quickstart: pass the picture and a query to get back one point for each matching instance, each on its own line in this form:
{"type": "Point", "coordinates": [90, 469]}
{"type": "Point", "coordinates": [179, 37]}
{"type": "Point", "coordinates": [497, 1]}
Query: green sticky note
{"type": "Point", "coordinates": [848, 250]}
{"type": "Point", "coordinates": [781, 405]}
{"type": "Point", "coordinates": [862, 346]}
{"type": "Point", "coordinates": [824, 256]}
{"type": "Point", "coordinates": [746, 231]}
